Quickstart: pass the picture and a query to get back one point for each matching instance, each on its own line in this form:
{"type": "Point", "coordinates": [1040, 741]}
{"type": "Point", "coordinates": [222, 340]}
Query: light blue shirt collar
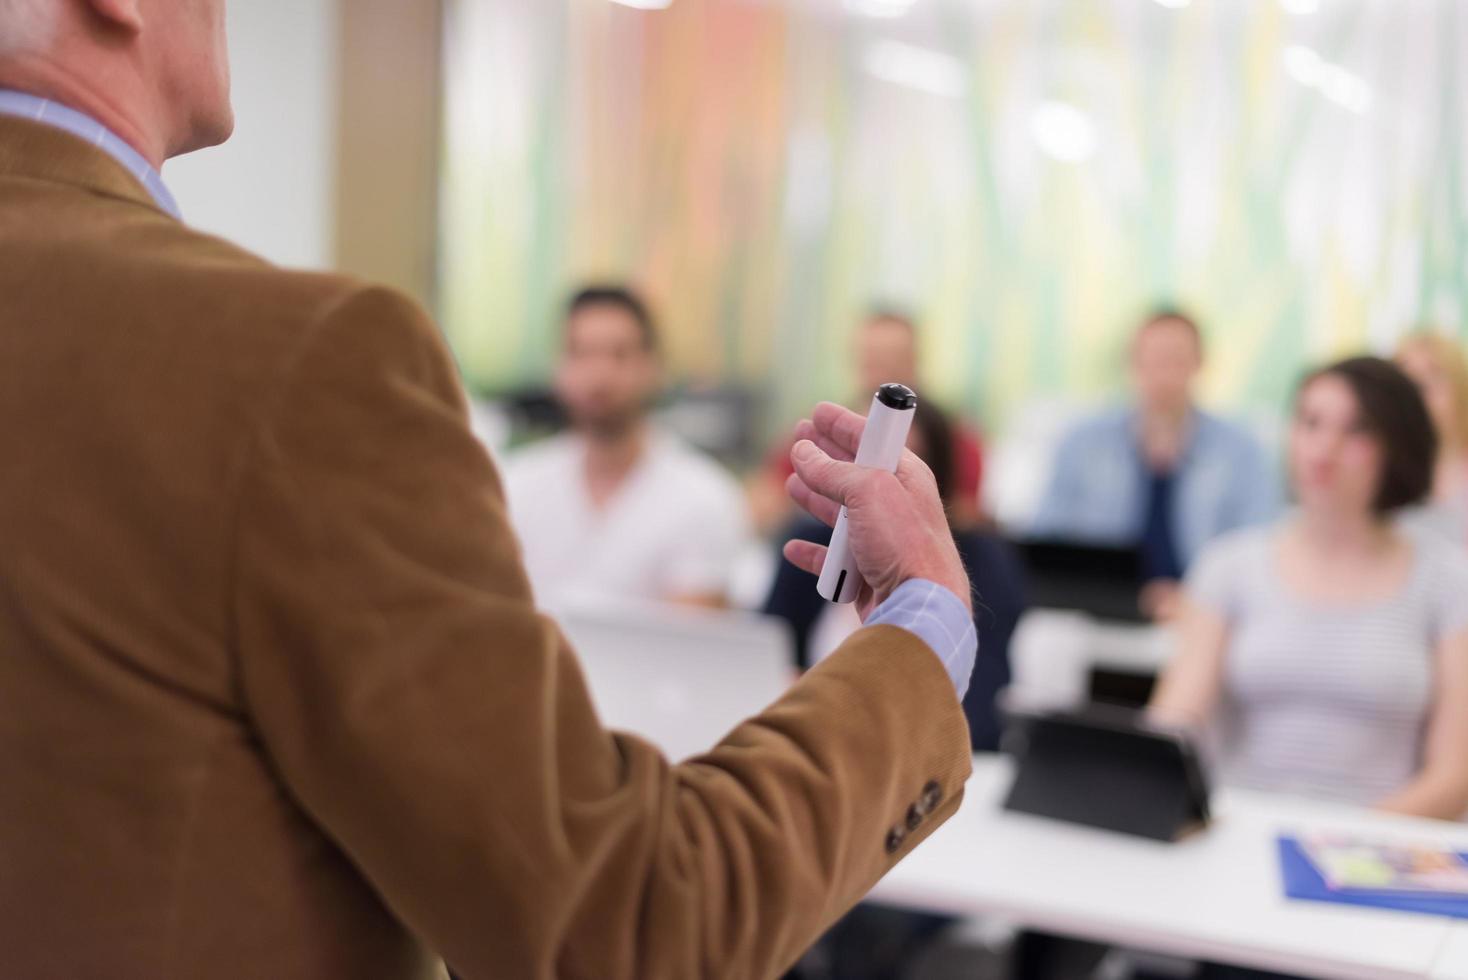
{"type": "Point", "coordinates": [79, 124]}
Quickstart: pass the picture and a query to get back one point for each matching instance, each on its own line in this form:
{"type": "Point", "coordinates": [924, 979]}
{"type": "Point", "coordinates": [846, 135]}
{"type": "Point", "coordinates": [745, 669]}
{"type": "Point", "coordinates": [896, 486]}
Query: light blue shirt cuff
{"type": "Point", "coordinates": [938, 618]}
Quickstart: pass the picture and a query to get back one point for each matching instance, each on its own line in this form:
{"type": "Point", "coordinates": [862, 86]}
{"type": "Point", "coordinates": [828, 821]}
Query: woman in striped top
{"type": "Point", "coordinates": [1328, 654]}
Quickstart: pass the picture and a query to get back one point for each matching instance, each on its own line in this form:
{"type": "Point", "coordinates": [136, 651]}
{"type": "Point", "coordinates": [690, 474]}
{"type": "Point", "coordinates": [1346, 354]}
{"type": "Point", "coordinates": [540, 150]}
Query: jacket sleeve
{"type": "Point", "coordinates": [438, 730]}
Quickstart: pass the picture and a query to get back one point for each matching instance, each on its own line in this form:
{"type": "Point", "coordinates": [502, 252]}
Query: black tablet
{"type": "Point", "coordinates": [1108, 768]}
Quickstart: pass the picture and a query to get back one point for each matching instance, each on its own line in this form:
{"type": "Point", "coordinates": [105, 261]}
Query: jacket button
{"type": "Point", "coordinates": [932, 796]}
{"type": "Point", "coordinates": [895, 837]}
{"type": "Point", "coordinates": [915, 816]}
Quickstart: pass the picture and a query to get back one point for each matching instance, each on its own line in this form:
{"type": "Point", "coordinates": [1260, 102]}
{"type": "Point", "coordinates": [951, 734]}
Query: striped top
{"type": "Point", "coordinates": [1326, 699]}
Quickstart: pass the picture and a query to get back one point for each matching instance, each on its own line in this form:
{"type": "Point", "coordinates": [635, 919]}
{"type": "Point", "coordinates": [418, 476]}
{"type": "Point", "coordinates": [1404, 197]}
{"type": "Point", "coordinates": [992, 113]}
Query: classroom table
{"type": "Point", "coordinates": [1213, 896]}
{"type": "Point", "coordinates": [1452, 959]}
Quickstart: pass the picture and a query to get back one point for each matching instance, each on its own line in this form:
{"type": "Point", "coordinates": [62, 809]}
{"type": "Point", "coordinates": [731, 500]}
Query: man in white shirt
{"type": "Point", "coordinates": [616, 508]}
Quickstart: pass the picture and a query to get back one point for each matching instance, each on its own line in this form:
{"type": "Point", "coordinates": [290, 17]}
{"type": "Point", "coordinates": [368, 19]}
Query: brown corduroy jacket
{"type": "Point", "coordinates": [275, 701]}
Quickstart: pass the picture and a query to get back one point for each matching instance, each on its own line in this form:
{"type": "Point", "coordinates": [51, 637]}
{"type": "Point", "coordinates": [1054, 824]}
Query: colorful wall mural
{"type": "Point", "coordinates": [1028, 177]}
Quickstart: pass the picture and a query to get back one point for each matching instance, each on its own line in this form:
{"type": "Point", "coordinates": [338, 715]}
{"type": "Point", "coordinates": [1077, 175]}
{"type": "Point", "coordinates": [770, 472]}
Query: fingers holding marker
{"type": "Point", "coordinates": [805, 555]}
{"type": "Point", "coordinates": [839, 425]}
{"type": "Point", "coordinates": [831, 478]}
{"type": "Point", "coordinates": [914, 473]}
{"type": "Point", "coordinates": [821, 508]}
{"type": "Point", "coordinates": [807, 430]}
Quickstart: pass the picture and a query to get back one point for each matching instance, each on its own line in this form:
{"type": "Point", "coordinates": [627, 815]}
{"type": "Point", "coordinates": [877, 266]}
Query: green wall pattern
{"type": "Point", "coordinates": [738, 161]}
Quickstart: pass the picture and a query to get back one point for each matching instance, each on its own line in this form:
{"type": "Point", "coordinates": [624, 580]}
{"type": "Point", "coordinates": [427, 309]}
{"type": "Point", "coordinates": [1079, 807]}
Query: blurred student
{"type": "Point", "coordinates": [615, 507]}
{"type": "Point", "coordinates": [993, 567]}
{"type": "Point", "coordinates": [1328, 653]}
{"type": "Point", "coordinates": [1159, 473]}
{"type": "Point", "coordinates": [1440, 370]}
{"type": "Point", "coordinates": [885, 350]}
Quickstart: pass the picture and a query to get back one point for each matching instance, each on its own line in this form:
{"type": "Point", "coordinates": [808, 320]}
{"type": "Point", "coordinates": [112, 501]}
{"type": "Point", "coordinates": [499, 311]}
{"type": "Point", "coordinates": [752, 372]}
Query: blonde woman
{"type": "Point", "coordinates": [1329, 652]}
{"type": "Point", "coordinates": [1439, 368]}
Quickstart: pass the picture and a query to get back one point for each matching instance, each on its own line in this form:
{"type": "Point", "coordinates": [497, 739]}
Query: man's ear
{"type": "Point", "coordinates": [125, 15]}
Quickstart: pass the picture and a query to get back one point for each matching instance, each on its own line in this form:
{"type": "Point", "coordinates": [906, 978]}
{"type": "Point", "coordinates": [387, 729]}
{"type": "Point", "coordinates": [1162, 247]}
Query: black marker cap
{"type": "Point", "coordinates": [900, 397]}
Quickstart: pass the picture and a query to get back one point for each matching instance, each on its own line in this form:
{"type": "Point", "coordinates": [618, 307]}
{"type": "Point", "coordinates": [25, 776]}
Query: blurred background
{"type": "Point", "coordinates": [1027, 178]}
{"type": "Point", "coordinates": [1108, 237]}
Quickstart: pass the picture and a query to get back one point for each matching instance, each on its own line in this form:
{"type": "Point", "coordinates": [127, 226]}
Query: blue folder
{"type": "Point", "coordinates": [1303, 881]}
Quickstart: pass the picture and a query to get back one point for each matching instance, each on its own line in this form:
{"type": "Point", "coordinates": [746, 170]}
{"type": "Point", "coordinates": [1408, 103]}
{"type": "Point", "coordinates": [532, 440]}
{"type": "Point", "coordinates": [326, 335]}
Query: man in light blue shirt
{"type": "Point", "coordinates": [1160, 474]}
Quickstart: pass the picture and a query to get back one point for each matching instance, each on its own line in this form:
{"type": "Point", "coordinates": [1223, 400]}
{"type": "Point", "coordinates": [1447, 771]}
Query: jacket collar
{"type": "Point", "coordinates": [35, 151]}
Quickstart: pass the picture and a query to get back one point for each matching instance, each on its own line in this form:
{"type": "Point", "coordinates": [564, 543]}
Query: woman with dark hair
{"type": "Point", "coordinates": [1328, 653]}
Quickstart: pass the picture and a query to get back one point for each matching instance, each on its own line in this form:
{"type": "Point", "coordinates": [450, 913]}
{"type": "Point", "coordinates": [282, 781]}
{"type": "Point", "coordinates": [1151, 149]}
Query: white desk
{"type": "Point", "coordinates": [1452, 960]}
{"type": "Point", "coordinates": [1054, 651]}
{"type": "Point", "coordinates": [1120, 646]}
{"type": "Point", "coordinates": [1216, 896]}
{"type": "Point", "coordinates": [681, 678]}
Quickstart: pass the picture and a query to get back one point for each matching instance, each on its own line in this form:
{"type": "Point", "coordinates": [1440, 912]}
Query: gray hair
{"type": "Point", "coordinates": [26, 25]}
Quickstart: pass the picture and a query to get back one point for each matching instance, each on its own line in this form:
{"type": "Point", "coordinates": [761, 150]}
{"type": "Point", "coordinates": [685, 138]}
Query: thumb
{"type": "Point", "coordinates": [805, 555]}
{"type": "Point", "coordinates": [828, 477]}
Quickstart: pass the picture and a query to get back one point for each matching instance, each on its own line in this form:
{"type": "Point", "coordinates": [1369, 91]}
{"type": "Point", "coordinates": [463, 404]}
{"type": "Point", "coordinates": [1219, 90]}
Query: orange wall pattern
{"type": "Point", "coordinates": [766, 170]}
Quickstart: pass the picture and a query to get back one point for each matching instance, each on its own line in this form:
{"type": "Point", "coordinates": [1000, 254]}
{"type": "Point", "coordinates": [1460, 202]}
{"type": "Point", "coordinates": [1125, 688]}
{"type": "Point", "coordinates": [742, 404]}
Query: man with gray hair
{"type": "Point", "coordinates": [274, 697]}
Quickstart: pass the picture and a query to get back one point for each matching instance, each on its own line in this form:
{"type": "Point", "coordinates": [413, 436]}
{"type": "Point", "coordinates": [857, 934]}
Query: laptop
{"type": "Point", "coordinates": [1100, 580]}
{"type": "Point", "coordinates": [681, 678]}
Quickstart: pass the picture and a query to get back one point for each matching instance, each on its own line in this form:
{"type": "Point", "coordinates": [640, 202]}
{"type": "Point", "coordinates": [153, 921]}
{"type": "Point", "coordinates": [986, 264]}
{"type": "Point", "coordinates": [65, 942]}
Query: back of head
{"type": "Point", "coordinates": [154, 72]}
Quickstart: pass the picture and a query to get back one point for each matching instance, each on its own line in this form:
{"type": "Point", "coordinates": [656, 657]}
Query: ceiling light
{"type": "Point", "coordinates": [646, 4]}
{"type": "Point", "coordinates": [914, 67]}
{"type": "Point", "coordinates": [1300, 6]}
{"type": "Point", "coordinates": [1304, 65]}
{"type": "Point", "coordinates": [1174, 4]}
{"type": "Point", "coordinates": [1344, 88]}
{"type": "Point", "coordinates": [1063, 132]}
{"type": "Point", "coordinates": [885, 9]}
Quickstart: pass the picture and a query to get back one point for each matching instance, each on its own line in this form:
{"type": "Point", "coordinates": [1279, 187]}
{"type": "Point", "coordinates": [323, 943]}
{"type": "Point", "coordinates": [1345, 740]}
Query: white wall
{"type": "Point", "coordinates": [272, 187]}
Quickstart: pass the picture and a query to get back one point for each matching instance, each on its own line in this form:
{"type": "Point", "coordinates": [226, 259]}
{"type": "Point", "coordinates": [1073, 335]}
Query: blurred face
{"type": "Point", "coordinates": [1437, 390]}
{"type": "Point", "coordinates": [1165, 363]}
{"type": "Point", "coordinates": [885, 351]}
{"type": "Point", "coordinates": [607, 376]}
{"type": "Point", "coordinates": [1335, 461]}
{"type": "Point", "coordinates": [184, 42]}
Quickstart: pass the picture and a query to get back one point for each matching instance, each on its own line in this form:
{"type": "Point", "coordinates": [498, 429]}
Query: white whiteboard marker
{"type": "Point", "coordinates": [881, 448]}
